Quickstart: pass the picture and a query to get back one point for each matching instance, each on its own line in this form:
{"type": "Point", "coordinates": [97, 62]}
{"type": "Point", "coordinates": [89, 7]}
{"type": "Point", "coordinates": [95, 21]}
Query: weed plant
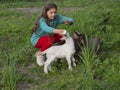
{"type": "Point", "coordinates": [90, 61]}
{"type": "Point", "coordinates": [10, 75]}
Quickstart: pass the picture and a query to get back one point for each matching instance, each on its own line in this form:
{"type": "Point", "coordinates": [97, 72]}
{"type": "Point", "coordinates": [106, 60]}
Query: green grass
{"type": "Point", "coordinates": [94, 17]}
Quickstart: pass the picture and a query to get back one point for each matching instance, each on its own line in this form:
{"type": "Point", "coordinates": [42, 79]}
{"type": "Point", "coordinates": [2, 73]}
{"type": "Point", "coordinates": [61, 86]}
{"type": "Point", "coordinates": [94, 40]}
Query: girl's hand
{"type": "Point", "coordinates": [59, 31]}
{"type": "Point", "coordinates": [67, 22]}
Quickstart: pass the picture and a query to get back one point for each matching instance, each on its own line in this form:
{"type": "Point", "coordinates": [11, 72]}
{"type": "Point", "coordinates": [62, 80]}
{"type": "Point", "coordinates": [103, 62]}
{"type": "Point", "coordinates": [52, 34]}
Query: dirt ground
{"type": "Point", "coordinates": [36, 10]}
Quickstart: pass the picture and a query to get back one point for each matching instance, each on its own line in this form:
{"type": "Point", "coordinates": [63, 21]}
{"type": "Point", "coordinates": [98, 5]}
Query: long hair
{"type": "Point", "coordinates": [44, 15]}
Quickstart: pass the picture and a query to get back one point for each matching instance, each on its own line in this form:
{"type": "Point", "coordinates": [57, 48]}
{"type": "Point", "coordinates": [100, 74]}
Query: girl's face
{"type": "Point", "coordinates": [51, 13]}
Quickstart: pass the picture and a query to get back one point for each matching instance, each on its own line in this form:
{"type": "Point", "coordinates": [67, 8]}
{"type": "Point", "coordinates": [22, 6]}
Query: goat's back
{"type": "Point", "coordinates": [62, 50]}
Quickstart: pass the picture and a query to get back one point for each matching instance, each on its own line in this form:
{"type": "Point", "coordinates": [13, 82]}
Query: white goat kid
{"type": "Point", "coordinates": [66, 50]}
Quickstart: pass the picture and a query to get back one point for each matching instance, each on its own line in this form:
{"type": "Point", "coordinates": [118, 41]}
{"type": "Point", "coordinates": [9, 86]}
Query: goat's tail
{"type": "Point", "coordinates": [44, 52]}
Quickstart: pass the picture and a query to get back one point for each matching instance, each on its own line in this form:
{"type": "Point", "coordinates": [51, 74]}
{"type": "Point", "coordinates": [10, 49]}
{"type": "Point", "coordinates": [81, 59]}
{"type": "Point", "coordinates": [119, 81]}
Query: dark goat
{"type": "Point", "coordinates": [94, 43]}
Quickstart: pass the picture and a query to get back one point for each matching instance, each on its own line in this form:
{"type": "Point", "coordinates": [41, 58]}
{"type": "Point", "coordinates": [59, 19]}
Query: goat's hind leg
{"type": "Point", "coordinates": [73, 61]}
{"type": "Point", "coordinates": [58, 63]}
{"type": "Point", "coordinates": [69, 63]}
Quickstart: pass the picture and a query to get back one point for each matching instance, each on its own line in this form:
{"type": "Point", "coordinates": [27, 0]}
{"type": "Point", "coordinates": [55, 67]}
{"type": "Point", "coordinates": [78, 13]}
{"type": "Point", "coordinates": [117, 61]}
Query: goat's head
{"type": "Point", "coordinates": [65, 36]}
{"type": "Point", "coordinates": [79, 40]}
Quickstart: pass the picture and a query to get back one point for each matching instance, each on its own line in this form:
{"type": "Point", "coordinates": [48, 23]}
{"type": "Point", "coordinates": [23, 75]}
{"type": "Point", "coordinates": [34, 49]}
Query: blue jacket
{"type": "Point", "coordinates": [44, 29]}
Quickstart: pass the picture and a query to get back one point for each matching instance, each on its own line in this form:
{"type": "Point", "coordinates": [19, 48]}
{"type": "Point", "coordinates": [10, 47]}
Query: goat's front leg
{"type": "Point", "coordinates": [46, 67]}
{"type": "Point", "coordinates": [47, 64]}
{"type": "Point", "coordinates": [69, 63]}
{"type": "Point", "coordinates": [73, 60]}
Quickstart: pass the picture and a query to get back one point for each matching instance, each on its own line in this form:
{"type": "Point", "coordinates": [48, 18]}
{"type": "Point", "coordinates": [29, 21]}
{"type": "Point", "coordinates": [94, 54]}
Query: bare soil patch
{"type": "Point", "coordinates": [36, 10]}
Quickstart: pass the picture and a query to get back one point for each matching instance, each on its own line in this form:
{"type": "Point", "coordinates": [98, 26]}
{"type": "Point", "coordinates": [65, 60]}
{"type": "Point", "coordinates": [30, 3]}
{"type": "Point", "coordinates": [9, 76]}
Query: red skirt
{"type": "Point", "coordinates": [45, 42]}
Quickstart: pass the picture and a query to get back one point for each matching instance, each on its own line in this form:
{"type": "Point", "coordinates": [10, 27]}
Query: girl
{"type": "Point", "coordinates": [44, 32]}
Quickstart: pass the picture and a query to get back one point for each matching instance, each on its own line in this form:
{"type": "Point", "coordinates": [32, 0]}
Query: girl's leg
{"type": "Point", "coordinates": [45, 42]}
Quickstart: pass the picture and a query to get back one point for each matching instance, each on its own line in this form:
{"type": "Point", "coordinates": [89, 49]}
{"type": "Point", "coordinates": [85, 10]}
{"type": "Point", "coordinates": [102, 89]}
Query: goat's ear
{"type": "Point", "coordinates": [75, 35]}
{"type": "Point", "coordinates": [82, 36]}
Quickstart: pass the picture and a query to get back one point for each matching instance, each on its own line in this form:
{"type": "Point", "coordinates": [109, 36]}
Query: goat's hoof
{"type": "Point", "coordinates": [40, 64]}
{"type": "Point", "coordinates": [45, 72]}
{"type": "Point", "coordinates": [74, 65]}
{"type": "Point", "coordinates": [70, 69]}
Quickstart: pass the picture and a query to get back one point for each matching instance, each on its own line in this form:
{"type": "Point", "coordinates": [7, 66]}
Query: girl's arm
{"type": "Point", "coordinates": [49, 29]}
{"type": "Point", "coordinates": [63, 19]}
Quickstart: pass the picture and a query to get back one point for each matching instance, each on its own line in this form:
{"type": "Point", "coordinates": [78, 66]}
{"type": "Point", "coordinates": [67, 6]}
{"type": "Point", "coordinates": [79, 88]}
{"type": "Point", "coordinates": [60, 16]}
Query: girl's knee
{"type": "Point", "coordinates": [47, 43]}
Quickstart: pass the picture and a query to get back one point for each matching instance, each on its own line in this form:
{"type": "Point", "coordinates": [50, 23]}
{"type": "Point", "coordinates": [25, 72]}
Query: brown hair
{"type": "Point", "coordinates": [44, 15]}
